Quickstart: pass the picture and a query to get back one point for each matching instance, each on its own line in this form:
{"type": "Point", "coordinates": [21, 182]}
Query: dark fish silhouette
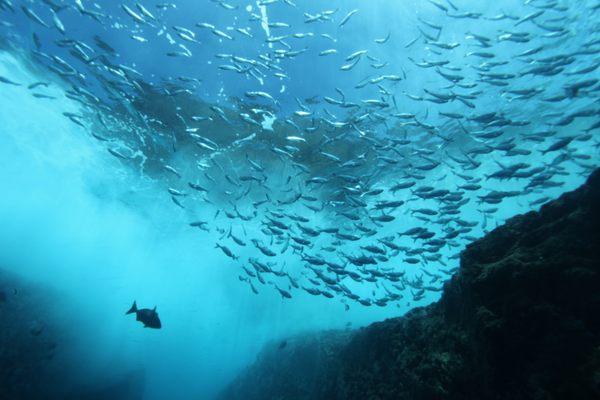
{"type": "Point", "coordinates": [146, 316]}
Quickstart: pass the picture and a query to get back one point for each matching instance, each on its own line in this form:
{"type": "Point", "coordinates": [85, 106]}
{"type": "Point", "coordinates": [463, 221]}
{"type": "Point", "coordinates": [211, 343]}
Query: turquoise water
{"type": "Point", "coordinates": [298, 119]}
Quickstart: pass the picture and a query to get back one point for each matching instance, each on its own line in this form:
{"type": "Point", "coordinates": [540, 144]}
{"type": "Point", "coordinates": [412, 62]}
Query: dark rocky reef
{"type": "Point", "coordinates": [520, 320]}
{"type": "Point", "coordinates": [33, 340]}
{"type": "Point", "coordinates": [130, 386]}
{"type": "Point", "coordinates": [29, 339]}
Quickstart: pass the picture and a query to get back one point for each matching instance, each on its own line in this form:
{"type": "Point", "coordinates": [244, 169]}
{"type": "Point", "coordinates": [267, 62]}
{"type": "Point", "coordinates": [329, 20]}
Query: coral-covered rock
{"type": "Point", "coordinates": [520, 320]}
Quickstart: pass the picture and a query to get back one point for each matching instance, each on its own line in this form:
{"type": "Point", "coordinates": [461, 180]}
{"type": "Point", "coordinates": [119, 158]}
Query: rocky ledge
{"type": "Point", "coordinates": [29, 338]}
{"type": "Point", "coordinates": [520, 320]}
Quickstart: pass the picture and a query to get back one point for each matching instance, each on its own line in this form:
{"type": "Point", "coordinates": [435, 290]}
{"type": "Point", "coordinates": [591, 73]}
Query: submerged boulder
{"type": "Point", "coordinates": [520, 320]}
{"type": "Point", "coordinates": [30, 334]}
{"type": "Point", "coordinates": [127, 386]}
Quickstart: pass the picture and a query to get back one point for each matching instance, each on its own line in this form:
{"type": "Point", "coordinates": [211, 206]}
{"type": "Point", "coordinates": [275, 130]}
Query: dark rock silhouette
{"type": "Point", "coordinates": [33, 337]}
{"type": "Point", "coordinates": [130, 386]}
{"type": "Point", "coordinates": [29, 340]}
{"type": "Point", "coordinates": [520, 320]}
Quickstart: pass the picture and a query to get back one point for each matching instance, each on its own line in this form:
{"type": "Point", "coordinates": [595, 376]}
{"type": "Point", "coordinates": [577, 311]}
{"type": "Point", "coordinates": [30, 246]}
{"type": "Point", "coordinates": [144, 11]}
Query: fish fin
{"type": "Point", "coordinates": [133, 309]}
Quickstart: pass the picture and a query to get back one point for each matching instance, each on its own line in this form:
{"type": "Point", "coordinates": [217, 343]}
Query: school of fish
{"type": "Point", "coordinates": [363, 195]}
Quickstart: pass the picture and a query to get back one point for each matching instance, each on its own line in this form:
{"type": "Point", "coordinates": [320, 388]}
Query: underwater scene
{"type": "Point", "coordinates": [299, 199]}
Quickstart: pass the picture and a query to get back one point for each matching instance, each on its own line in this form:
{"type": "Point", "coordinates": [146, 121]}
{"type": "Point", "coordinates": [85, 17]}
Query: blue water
{"type": "Point", "coordinates": [101, 230]}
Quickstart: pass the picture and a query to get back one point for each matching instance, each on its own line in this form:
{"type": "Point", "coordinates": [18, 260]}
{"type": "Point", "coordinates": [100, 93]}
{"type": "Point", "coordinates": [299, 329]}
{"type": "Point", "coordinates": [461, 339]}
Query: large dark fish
{"type": "Point", "coordinates": [146, 316]}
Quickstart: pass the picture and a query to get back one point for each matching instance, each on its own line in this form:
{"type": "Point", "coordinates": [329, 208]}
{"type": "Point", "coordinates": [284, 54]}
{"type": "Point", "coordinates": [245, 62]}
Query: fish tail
{"type": "Point", "coordinates": [133, 309]}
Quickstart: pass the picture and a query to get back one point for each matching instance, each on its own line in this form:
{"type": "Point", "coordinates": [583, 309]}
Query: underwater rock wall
{"type": "Point", "coordinates": [520, 320]}
{"type": "Point", "coordinates": [130, 386]}
{"type": "Point", "coordinates": [35, 341]}
{"type": "Point", "coordinates": [28, 340]}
